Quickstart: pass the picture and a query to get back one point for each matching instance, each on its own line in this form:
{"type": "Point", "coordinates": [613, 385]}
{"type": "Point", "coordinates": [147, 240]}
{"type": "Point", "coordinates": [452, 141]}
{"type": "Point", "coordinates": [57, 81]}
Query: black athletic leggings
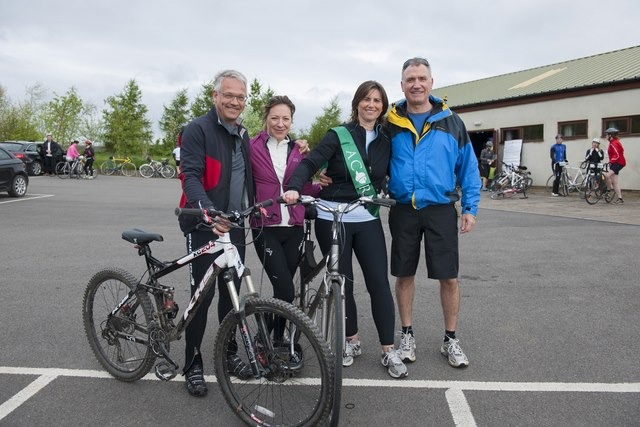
{"type": "Point", "coordinates": [279, 250]}
{"type": "Point", "coordinates": [366, 240]}
{"type": "Point", "coordinates": [195, 331]}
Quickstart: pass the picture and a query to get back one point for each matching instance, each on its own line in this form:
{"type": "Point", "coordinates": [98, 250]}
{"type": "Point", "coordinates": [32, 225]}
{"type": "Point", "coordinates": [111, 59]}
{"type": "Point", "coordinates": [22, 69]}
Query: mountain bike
{"type": "Point", "coordinates": [131, 322]}
{"type": "Point", "coordinates": [324, 304]}
{"type": "Point", "coordinates": [155, 168]}
{"type": "Point", "coordinates": [596, 185]}
{"type": "Point", "coordinates": [124, 166]}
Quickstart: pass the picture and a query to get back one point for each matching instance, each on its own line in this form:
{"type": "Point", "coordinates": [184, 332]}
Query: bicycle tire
{"type": "Point", "coordinates": [609, 195]}
{"type": "Point", "coordinates": [591, 195]}
{"type": "Point", "coordinates": [123, 358]}
{"type": "Point", "coordinates": [80, 171]}
{"type": "Point", "coordinates": [549, 184]}
{"type": "Point", "coordinates": [336, 312]}
{"type": "Point", "coordinates": [291, 390]}
{"type": "Point", "coordinates": [128, 169]}
{"type": "Point", "coordinates": [167, 171]}
{"type": "Point", "coordinates": [62, 170]}
{"type": "Point", "coordinates": [108, 167]}
{"type": "Point", "coordinates": [146, 170]}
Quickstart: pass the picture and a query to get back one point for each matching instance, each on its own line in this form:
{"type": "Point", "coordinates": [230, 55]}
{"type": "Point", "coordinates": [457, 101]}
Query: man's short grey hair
{"type": "Point", "coordinates": [233, 74]}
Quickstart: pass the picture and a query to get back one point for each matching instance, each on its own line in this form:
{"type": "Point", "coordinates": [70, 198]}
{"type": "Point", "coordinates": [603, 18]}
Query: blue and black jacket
{"type": "Point", "coordinates": [427, 165]}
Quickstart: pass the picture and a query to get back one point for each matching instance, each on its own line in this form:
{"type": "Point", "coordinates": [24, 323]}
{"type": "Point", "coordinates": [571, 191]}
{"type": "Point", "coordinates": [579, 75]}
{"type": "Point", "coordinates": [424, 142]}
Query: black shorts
{"type": "Point", "coordinates": [438, 226]}
{"type": "Point", "coordinates": [616, 167]}
{"type": "Point", "coordinates": [484, 170]}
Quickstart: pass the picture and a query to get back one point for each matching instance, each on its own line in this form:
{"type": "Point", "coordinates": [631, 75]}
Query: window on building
{"type": "Point", "coordinates": [628, 125]}
{"type": "Point", "coordinates": [534, 133]}
{"type": "Point", "coordinates": [573, 130]}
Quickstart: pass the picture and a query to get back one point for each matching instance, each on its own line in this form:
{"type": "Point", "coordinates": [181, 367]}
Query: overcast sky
{"type": "Point", "coordinates": [311, 51]}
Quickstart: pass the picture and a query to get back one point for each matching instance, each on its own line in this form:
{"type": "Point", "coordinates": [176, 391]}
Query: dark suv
{"type": "Point", "coordinates": [13, 177]}
{"type": "Point", "coordinates": [28, 152]}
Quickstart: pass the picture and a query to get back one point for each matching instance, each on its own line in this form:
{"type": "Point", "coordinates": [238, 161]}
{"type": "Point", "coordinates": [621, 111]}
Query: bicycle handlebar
{"type": "Point", "coordinates": [361, 201]}
{"type": "Point", "coordinates": [234, 216]}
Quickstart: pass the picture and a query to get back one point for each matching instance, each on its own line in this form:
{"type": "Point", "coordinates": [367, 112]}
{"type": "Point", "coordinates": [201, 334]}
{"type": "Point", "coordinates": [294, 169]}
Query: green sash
{"type": "Point", "coordinates": [356, 167]}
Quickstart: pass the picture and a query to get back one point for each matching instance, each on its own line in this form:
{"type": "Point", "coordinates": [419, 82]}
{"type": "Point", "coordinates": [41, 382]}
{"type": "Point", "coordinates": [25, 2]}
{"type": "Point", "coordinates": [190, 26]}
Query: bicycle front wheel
{"type": "Point", "coordinates": [62, 170]}
{"type": "Point", "coordinates": [128, 169]}
{"type": "Point", "coordinates": [120, 341]}
{"type": "Point", "coordinates": [591, 194]}
{"type": "Point", "coordinates": [294, 382]}
{"type": "Point", "coordinates": [549, 184]}
{"type": "Point", "coordinates": [167, 171]}
{"type": "Point", "coordinates": [146, 171]}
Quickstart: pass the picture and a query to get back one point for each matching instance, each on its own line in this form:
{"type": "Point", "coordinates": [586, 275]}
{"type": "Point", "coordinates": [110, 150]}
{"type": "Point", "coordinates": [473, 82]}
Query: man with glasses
{"type": "Point", "coordinates": [216, 172]}
{"type": "Point", "coordinates": [431, 154]}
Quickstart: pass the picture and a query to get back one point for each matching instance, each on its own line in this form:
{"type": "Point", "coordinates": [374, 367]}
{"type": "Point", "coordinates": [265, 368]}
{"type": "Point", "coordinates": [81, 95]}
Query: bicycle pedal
{"type": "Point", "coordinates": [165, 371]}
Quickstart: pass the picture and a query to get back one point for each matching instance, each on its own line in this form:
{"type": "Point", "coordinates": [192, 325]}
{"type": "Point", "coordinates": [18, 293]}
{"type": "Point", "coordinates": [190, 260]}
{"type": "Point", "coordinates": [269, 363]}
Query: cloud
{"type": "Point", "coordinates": [311, 51]}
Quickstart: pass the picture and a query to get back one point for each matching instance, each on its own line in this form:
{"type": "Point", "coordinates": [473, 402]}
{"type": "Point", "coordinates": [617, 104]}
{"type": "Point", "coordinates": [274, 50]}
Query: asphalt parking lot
{"type": "Point", "coordinates": [549, 316]}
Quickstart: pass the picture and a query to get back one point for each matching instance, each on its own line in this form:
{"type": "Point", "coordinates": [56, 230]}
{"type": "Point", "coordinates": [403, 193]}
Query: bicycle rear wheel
{"type": "Point", "coordinates": [146, 171]}
{"type": "Point", "coordinates": [119, 342]}
{"type": "Point", "coordinates": [128, 169]}
{"type": "Point", "coordinates": [549, 184]}
{"type": "Point", "coordinates": [294, 384]}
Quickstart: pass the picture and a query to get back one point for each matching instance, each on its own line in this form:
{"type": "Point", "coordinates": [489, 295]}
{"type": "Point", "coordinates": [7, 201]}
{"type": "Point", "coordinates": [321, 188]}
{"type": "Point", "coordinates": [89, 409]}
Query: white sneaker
{"type": "Point", "coordinates": [352, 349]}
{"type": "Point", "coordinates": [407, 348]}
{"type": "Point", "coordinates": [391, 360]}
{"type": "Point", "coordinates": [452, 351]}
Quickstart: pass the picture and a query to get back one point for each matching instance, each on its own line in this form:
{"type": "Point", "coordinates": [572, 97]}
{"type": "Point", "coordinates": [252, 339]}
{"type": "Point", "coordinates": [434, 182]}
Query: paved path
{"type": "Point", "coordinates": [540, 201]}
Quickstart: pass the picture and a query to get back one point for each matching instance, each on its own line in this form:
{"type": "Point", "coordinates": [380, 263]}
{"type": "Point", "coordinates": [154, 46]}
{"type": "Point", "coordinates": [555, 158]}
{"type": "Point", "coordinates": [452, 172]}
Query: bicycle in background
{"type": "Point", "coordinates": [70, 168]}
{"type": "Point", "coordinates": [572, 179]}
{"type": "Point", "coordinates": [131, 322]}
{"type": "Point", "coordinates": [155, 168]}
{"type": "Point", "coordinates": [512, 180]}
{"type": "Point", "coordinates": [596, 184]}
{"type": "Point", "coordinates": [118, 165]}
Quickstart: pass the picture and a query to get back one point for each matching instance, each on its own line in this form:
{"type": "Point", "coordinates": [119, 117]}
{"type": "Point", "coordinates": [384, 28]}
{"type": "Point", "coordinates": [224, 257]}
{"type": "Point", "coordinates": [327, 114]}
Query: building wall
{"type": "Point", "coordinates": [535, 155]}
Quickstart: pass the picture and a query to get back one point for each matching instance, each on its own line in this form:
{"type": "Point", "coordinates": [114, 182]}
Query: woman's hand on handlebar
{"type": "Point", "coordinates": [290, 197]}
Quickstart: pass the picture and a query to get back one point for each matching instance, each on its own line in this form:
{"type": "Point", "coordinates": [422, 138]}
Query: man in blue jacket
{"type": "Point", "coordinates": [558, 154]}
{"type": "Point", "coordinates": [431, 156]}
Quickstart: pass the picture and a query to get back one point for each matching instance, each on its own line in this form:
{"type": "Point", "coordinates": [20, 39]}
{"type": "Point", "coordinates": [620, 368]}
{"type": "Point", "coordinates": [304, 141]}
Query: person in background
{"type": "Point", "coordinates": [487, 159]}
{"type": "Point", "coordinates": [278, 236]}
{"type": "Point", "coordinates": [367, 141]}
{"type": "Point", "coordinates": [558, 154]}
{"type": "Point", "coordinates": [89, 154]}
{"type": "Point", "coordinates": [594, 155]}
{"type": "Point", "coordinates": [50, 151]}
{"type": "Point", "coordinates": [72, 153]}
{"type": "Point", "coordinates": [431, 154]}
{"type": "Point", "coordinates": [176, 151]}
{"type": "Point", "coordinates": [216, 173]}
{"type": "Point", "coordinates": [615, 151]}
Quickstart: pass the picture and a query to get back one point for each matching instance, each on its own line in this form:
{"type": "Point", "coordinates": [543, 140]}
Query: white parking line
{"type": "Point", "coordinates": [27, 197]}
{"type": "Point", "coordinates": [458, 405]}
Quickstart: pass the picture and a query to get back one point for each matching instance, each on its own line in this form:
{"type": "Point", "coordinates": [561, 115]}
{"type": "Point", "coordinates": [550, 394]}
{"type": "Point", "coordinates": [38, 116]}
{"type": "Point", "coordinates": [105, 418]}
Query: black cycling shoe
{"type": "Point", "coordinates": [235, 366]}
{"type": "Point", "coordinates": [194, 381]}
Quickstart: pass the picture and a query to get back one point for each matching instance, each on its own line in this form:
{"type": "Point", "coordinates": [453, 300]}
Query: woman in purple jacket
{"type": "Point", "coordinates": [274, 157]}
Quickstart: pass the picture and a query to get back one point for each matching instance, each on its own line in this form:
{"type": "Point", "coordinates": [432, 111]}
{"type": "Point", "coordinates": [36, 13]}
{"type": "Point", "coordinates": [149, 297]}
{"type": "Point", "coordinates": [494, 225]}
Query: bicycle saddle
{"type": "Point", "coordinates": [141, 237]}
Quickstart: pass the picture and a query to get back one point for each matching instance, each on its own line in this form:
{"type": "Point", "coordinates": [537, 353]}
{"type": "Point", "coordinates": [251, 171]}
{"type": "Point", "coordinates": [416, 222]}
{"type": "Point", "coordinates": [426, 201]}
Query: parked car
{"type": "Point", "coordinates": [28, 152]}
{"type": "Point", "coordinates": [13, 175]}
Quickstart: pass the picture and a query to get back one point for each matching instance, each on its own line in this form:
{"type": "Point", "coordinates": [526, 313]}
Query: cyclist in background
{"type": "Point", "coordinates": [617, 162]}
{"type": "Point", "coordinates": [594, 155]}
{"type": "Point", "coordinates": [558, 154]}
{"type": "Point", "coordinates": [89, 154]}
{"type": "Point", "coordinates": [73, 154]}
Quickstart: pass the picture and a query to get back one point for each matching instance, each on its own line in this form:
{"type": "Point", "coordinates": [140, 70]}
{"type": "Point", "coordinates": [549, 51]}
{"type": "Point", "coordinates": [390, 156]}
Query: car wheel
{"type": "Point", "coordinates": [18, 186]}
{"type": "Point", "coordinates": [36, 168]}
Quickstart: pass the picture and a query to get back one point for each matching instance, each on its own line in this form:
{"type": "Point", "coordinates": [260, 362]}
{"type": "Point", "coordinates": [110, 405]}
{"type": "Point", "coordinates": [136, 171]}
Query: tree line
{"type": "Point", "coordinates": [123, 125]}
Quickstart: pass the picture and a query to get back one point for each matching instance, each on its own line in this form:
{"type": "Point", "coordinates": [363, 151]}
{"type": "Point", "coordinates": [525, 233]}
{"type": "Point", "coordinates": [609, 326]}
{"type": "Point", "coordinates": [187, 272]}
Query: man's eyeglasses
{"type": "Point", "coordinates": [230, 97]}
{"type": "Point", "coordinates": [415, 61]}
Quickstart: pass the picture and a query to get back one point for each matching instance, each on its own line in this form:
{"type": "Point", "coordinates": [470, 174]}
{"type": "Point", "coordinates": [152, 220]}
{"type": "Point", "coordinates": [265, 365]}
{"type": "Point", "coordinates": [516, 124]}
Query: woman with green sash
{"type": "Point", "coordinates": [359, 149]}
